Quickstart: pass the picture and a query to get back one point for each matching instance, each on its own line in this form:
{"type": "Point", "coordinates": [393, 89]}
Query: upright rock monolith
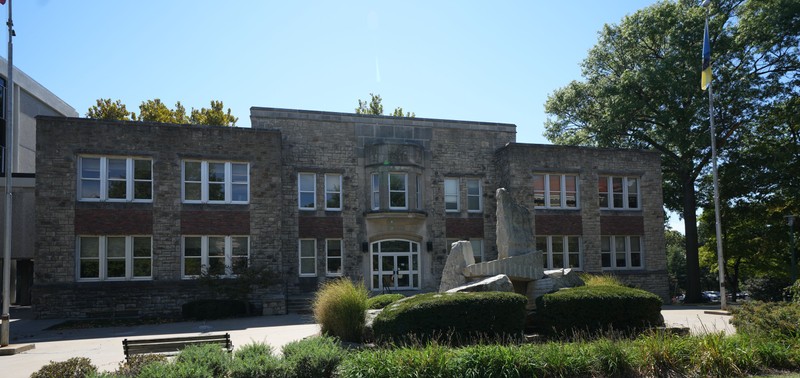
{"type": "Point", "coordinates": [514, 227]}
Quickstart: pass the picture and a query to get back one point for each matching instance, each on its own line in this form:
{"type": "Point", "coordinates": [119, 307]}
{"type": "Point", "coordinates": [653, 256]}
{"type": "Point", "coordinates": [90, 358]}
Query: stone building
{"type": "Point", "coordinates": [129, 214]}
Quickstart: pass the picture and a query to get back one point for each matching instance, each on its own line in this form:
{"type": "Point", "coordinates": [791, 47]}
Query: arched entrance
{"type": "Point", "coordinates": [395, 265]}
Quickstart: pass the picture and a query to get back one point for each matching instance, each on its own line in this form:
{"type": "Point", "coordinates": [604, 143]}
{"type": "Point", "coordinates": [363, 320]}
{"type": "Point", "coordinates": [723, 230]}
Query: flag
{"type": "Point", "coordinates": [705, 78]}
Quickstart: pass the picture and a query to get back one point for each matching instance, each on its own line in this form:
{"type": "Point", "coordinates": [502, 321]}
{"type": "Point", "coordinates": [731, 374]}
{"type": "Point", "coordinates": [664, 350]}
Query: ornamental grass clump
{"type": "Point", "coordinates": [340, 309]}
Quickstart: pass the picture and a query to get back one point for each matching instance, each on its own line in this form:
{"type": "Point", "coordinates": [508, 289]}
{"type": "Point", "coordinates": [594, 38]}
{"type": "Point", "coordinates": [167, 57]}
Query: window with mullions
{"type": "Point", "coordinates": [333, 192]}
{"type": "Point", "coordinates": [618, 192]}
{"type": "Point", "coordinates": [451, 195]}
{"type": "Point", "coordinates": [333, 257]}
{"type": "Point", "coordinates": [307, 191]}
{"type": "Point", "coordinates": [376, 191]}
{"type": "Point", "coordinates": [109, 258]}
{"type": "Point", "coordinates": [621, 252]}
{"type": "Point", "coordinates": [216, 182]}
{"type": "Point", "coordinates": [224, 256]}
{"type": "Point", "coordinates": [398, 191]}
{"type": "Point", "coordinates": [307, 255]}
{"type": "Point", "coordinates": [474, 196]}
{"type": "Point", "coordinates": [555, 191]}
{"type": "Point", "coordinates": [115, 179]}
{"type": "Point", "coordinates": [560, 252]}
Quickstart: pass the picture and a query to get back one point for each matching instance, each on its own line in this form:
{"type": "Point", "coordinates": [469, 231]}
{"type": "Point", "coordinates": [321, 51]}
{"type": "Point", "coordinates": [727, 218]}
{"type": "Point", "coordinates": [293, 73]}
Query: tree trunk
{"type": "Point", "coordinates": [692, 256]}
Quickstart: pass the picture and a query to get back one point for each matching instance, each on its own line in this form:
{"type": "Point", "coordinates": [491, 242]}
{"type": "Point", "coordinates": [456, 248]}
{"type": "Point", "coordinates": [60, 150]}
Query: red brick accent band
{"type": "Point", "coordinates": [215, 222]}
{"type": "Point", "coordinates": [321, 227]}
{"type": "Point", "coordinates": [621, 225]}
{"type": "Point", "coordinates": [464, 228]}
{"type": "Point", "coordinates": [113, 222]}
{"type": "Point", "coordinates": [549, 224]}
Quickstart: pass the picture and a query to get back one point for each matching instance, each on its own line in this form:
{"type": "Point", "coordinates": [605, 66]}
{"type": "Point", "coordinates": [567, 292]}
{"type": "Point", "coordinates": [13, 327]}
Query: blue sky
{"type": "Point", "coordinates": [467, 60]}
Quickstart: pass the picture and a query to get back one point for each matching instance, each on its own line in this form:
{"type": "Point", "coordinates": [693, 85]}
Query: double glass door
{"type": "Point", "coordinates": [395, 265]}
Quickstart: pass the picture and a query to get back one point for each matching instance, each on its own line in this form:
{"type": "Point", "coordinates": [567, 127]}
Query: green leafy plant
{"type": "Point", "coordinates": [256, 360]}
{"type": "Point", "coordinates": [776, 320]}
{"type": "Point", "coordinates": [76, 367]}
{"type": "Point", "coordinates": [383, 300]}
{"type": "Point", "coordinates": [316, 357]}
{"type": "Point", "coordinates": [132, 366]}
{"type": "Point", "coordinates": [340, 309]}
{"type": "Point", "coordinates": [209, 357]}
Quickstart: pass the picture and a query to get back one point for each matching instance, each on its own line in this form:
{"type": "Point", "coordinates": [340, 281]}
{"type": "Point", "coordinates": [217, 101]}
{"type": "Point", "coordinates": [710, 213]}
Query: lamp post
{"type": "Point", "coordinates": [792, 249]}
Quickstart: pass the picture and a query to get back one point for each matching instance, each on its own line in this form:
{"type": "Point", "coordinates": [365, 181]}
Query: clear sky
{"type": "Point", "coordinates": [493, 61]}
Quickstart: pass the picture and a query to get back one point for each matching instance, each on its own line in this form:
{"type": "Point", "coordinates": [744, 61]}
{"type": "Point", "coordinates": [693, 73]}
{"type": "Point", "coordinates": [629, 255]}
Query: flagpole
{"type": "Point", "coordinates": [9, 160]}
{"type": "Point", "coordinates": [720, 257]}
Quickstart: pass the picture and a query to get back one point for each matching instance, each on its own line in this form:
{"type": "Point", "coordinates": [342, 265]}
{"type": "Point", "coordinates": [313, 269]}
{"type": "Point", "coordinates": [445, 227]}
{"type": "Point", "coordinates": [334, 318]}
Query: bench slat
{"type": "Point", "coordinates": [173, 345]}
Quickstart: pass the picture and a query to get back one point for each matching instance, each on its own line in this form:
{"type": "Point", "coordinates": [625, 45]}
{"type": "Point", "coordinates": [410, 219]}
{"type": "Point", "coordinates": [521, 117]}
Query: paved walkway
{"type": "Point", "coordinates": [104, 345]}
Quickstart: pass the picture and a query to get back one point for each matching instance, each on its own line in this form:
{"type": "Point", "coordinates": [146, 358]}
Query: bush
{"type": "Point", "coordinates": [174, 370]}
{"type": "Point", "coordinates": [597, 308]}
{"type": "Point", "coordinates": [257, 361]}
{"type": "Point", "coordinates": [76, 367]}
{"type": "Point", "coordinates": [314, 357]}
{"type": "Point", "coordinates": [767, 289]}
{"type": "Point", "coordinates": [461, 317]}
{"type": "Point", "coordinates": [209, 357]}
{"type": "Point", "coordinates": [770, 319]}
{"type": "Point", "coordinates": [380, 301]}
{"type": "Point", "coordinates": [794, 291]}
{"type": "Point", "coordinates": [204, 309]}
{"type": "Point", "coordinates": [133, 365]}
{"type": "Point", "coordinates": [340, 309]}
{"type": "Point", "coordinates": [600, 279]}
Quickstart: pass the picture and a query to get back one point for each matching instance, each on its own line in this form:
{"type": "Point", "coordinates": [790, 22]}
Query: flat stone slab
{"type": "Point", "coordinates": [527, 267]}
{"type": "Point", "coordinates": [499, 282]}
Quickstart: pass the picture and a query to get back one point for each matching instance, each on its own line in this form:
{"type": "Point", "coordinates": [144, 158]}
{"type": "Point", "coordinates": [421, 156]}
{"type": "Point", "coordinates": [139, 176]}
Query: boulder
{"type": "Point", "coordinates": [459, 258]}
{"type": "Point", "coordinates": [554, 280]}
{"type": "Point", "coordinates": [500, 282]}
{"type": "Point", "coordinates": [514, 227]}
{"type": "Point", "coordinates": [525, 267]}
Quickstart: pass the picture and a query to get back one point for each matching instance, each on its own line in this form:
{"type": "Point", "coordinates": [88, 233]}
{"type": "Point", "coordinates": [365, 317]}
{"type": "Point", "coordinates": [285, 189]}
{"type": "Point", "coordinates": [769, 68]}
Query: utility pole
{"type": "Point", "coordinates": [9, 160]}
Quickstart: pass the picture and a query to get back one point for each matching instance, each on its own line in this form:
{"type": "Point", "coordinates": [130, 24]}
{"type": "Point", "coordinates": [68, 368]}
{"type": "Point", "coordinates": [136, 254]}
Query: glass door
{"type": "Point", "coordinates": [395, 265]}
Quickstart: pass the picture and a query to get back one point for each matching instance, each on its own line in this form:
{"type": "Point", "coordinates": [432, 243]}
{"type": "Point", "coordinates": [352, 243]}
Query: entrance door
{"type": "Point", "coordinates": [395, 265]}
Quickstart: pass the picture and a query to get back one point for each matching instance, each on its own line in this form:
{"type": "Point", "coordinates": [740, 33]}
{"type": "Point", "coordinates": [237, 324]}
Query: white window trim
{"type": "Point", "coordinates": [300, 192]}
{"type": "Point", "coordinates": [204, 254]}
{"type": "Point", "coordinates": [457, 194]}
{"type": "Point", "coordinates": [103, 179]}
{"type": "Point", "coordinates": [482, 255]}
{"type": "Point", "coordinates": [339, 192]}
{"type": "Point", "coordinates": [375, 203]}
{"type": "Point", "coordinates": [548, 254]}
{"type": "Point", "coordinates": [479, 195]}
{"type": "Point", "coordinates": [328, 273]}
{"type": "Point", "coordinates": [204, 182]}
{"type": "Point", "coordinates": [102, 258]}
{"type": "Point", "coordinates": [562, 191]}
{"type": "Point", "coordinates": [405, 190]}
{"type": "Point", "coordinates": [628, 260]}
{"type": "Point", "coordinates": [625, 193]}
{"type": "Point", "coordinates": [300, 258]}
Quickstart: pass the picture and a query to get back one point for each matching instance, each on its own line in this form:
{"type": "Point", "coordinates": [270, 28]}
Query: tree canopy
{"type": "Point", "coordinates": [375, 107]}
{"type": "Point", "coordinates": [641, 89]}
{"type": "Point", "coordinates": [156, 111]}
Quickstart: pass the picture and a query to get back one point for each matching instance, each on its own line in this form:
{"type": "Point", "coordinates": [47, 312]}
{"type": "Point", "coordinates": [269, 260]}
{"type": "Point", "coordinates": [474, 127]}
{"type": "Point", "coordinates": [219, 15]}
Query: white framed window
{"type": "Point", "coordinates": [307, 256]}
{"type": "Point", "coordinates": [474, 196]}
{"type": "Point", "coordinates": [216, 255]}
{"type": "Point", "coordinates": [333, 257]}
{"type": "Point", "coordinates": [561, 252]}
{"type": "Point", "coordinates": [307, 191]}
{"type": "Point", "coordinates": [618, 192]}
{"type": "Point", "coordinates": [115, 179]}
{"type": "Point", "coordinates": [555, 191]}
{"type": "Point", "coordinates": [451, 195]}
{"type": "Point", "coordinates": [215, 182]}
{"type": "Point", "coordinates": [333, 192]}
{"type": "Point", "coordinates": [621, 252]}
{"type": "Point", "coordinates": [398, 191]}
{"type": "Point", "coordinates": [114, 258]}
{"type": "Point", "coordinates": [477, 249]}
{"type": "Point", "coordinates": [376, 191]}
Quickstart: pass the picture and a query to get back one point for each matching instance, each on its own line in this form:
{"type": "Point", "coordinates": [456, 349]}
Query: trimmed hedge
{"type": "Point", "coordinates": [452, 317]}
{"type": "Point", "coordinates": [597, 308]}
{"type": "Point", "coordinates": [380, 301]}
{"type": "Point", "coordinates": [204, 309]}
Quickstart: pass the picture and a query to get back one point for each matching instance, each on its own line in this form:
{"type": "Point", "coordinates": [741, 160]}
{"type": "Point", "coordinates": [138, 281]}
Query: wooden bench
{"type": "Point", "coordinates": [173, 345]}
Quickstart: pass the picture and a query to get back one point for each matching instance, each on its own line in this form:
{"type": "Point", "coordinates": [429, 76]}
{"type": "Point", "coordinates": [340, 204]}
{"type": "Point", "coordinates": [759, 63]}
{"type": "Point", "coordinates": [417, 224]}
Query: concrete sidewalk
{"type": "Point", "coordinates": [696, 318]}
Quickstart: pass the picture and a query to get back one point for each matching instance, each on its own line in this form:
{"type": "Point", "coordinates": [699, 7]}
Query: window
{"type": "Point", "coordinates": [225, 256]}
{"type": "Point", "coordinates": [618, 192]}
{"type": "Point", "coordinates": [333, 192]}
{"type": "Point", "coordinates": [102, 258]}
{"type": "Point", "coordinates": [477, 249]}
{"type": "Point", "coordinates": [307, 191]}
{"type": "Point", "coordinates": [555, 191]}
{"type": "Point", "coordinates": [621, 252]}
{"type": "Point", "coordinates": [474, 196]}
{"type": "Point", "coordinates": [560, 252]}
{"type": "Point", "coordinates": [115, 179]}
{"type": "Point", "coordinates": [398, 196]}
{"type": "Point", "coordinates": [308, 257]}
{"type": "Point", "coordinates": [376, 191]}
{"type": "Point", "coordinates": [216, 182]}
{"type": "Point", "coordinates": [450, 195]}
{"type": "Point", "coordinates": [418, 183]}
{"type": "Point", "coordinates": [333, 257]}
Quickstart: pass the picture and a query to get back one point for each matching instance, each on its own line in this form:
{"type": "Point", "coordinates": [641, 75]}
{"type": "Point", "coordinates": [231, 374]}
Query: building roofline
{"type": "Point", "coordinates": [143, 123]}
{"type": "Point", "coordinates": [587, 148]}
{"type": "Point", "coordinates": [31, 86]}
{"type": "Point", "coordinates": [318, 115]}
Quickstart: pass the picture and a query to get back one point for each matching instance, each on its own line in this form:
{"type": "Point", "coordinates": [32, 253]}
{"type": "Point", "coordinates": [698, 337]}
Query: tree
{"type": "Point", "coordinates": [157, 111]}
{"type": "Point", "coordinates": [641, 90]}
{"type": "Point", "coordinates": [106, 109]}
{"type": "Point", "coordinates": [375, 107]}
{"type": "Point", "coordinates": [214, 116]}
{"type": "Point", "coordinates": [676, 261]}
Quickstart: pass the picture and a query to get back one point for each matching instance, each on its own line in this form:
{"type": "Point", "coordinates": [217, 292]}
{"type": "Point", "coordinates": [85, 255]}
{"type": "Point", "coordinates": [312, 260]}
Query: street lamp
{"type": "Point", "coordinates": [792, 249]}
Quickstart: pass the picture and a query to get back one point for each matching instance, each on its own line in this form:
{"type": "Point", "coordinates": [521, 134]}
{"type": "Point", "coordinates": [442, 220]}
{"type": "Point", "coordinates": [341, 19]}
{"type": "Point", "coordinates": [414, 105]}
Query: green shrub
{"type": "Point", "coordinates": [768, 319]}
{"type": "Point", "coordinates": [340, 309]}
{"type": "Point", "coordinates": [767, 289]}
{"type": "Point", "coordinates": [174, 370]}
{"type": "Point", "coordinates": [661, 354]}
{"type": "Point", "coordinates": [600, 279]}
{"type": "Point", "coordinates": [452, 317]}
{"type": "Point", "coordinates": [257, 361]}
{"type": "Point", "coordinates": [213, 309]}
{"type": "Point", "coordinates": [314, 357]}
{"type": "Point", "coordinates": [210, 357]}
{"type": "Point", "coordinates": [383, 300]}
{"type": "Point", "coordinates": [76, 367]}
{"type": "Point", "coordinates": [132, 366]}
{"type": "Point", "coordinates": [597, 308]}
{"type": "Point", "coordinates": [794, 291]}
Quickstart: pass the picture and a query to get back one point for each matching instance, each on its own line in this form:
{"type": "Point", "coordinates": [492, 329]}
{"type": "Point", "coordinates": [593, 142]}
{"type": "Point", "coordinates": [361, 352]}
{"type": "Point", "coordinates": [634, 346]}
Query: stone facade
{"type": "Point", "coordinates": [330, 195]}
